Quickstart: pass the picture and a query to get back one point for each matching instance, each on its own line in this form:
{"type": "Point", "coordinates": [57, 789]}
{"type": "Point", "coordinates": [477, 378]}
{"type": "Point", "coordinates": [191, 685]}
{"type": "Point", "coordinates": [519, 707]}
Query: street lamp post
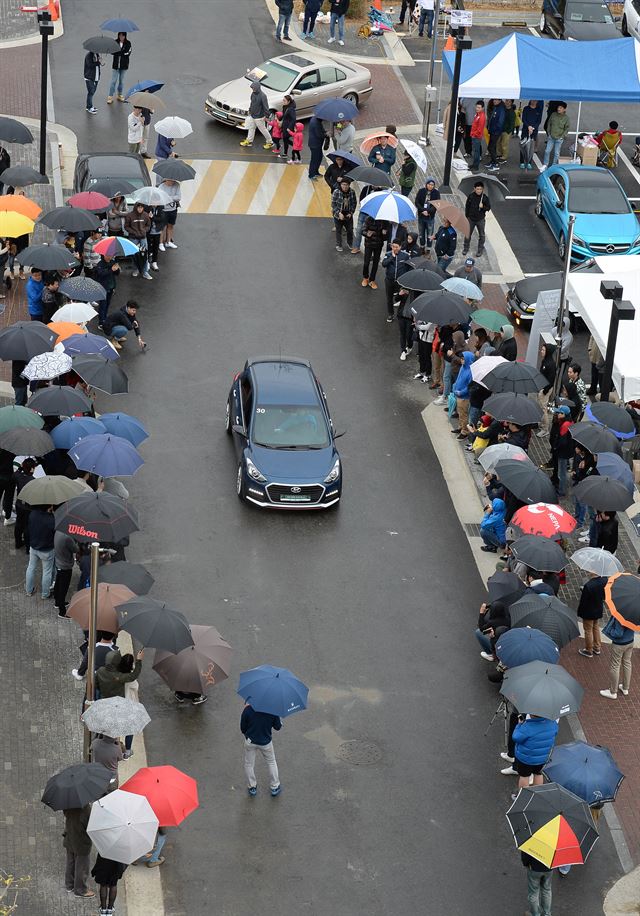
{"type": "Point", "coordinates": [91, 645]}
{"type": "Point", "coordinates": [620, 311]}
{"type": "Point", "coordinates": [462, 44]}
{"type": "Point", "coordinates": [429, 89]}
{"type": "Point", "coordinates": [46, 29]}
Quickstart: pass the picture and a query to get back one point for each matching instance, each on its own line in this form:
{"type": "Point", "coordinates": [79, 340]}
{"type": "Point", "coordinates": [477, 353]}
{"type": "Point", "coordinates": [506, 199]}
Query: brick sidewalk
{"type": "Point", "coordinates": [20, 81]}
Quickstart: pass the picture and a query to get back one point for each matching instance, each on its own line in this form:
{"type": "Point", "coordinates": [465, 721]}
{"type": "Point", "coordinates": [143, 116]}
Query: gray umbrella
{"type": "Point", "coordinates": [202, 665]}
{"type": "Point", "coordinates": [12, 131]}
{"type": "Point", "coordinates": [368, 175]}
{"type": "Point", "coordinates": [527, 482]}
{"type": "Point", "coordinates": [46, 256]}
{"type": "Point", "coordinates": [27, 441]}
{"type": "Point", "coordinates": [546, 613]}
{"type": "Point", "coordinates": [52, 491]}
{"type": "Point", "coordinates": [73, 219]}
{"type": "Point", "coordinates": [115, 717]}
{"type": "Point", "coordinates": [19, 176]}
{"type": "Point", "coordinates": [175, 169]}
{"type": "Point", "coordinates": [155, 624]}
{"type": "Point", "coordinates": [521, 378]}
{"type": "Point", "coordinates": [76, 786]}
{"type": "Point", "coordinates": [604, 493]}
{"type": "Point", "coordinates": [101, 44]}
{"type": "Point", "coordinates": [539, 553]}
{"type": "Point", "coordinates": [101, 373]}
{"type": "Point", "coordinates": [133, 575]}
{"type": "Point", "coordinates": [542, 689]}
{"type": "Point", "coordinates": [59, 401]}
{"type": "Point", "coordinates": [495, 189]}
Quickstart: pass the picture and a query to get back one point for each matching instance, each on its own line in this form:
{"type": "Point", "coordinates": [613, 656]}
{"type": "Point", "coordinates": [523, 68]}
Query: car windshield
{"type": "Point", "coordinates": [273, 76]}
{"type": "Point", "coordinates": [588, 12]}
{"type": "Point", "coordinates": [597, 200]}
{"type": "Point", "coordinates": [136, 181]}
{"type": "Point", "coordinates": [290, 427]}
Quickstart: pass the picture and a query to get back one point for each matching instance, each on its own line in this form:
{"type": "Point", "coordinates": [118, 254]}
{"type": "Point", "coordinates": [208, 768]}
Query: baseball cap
{"type": "Point", "coordinates": [469, 262]}
{"type": "Point", "coordinates": [563, 410]}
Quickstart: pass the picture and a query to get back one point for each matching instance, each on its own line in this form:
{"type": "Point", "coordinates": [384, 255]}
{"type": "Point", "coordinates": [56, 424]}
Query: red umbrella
{"type": "Point", "coordinates": [172, 794]}
{"type": "Point", "coordinates": [90, 200]}
{"type": "Point", "coordinates": [544, 519]}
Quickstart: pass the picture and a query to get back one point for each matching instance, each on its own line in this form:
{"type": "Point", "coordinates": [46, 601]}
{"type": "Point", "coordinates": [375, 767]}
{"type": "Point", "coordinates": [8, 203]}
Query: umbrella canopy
{"type": "Point", "coordinates": [455, 216]}
{"type": "Point", "coordinates": [73, 219]}
{"type": "Point", "coordinates": [103, 374]}
{"type": "Point", "coordinates": [46, 257]}
{"type": "Point", "coordinates": [464, 288]}
{"type": "Point", "coordinates": [116, 247]}
{"type": "Point", "coordinates": [349, 158]}
{"type": "Point", "coordinates": [527, 482]}
{"type": "Point", "coordinates": [622, 597]}
{"type": "Point", "coordinates": [116, 717]}
{"type": "Point", "coordinates": [75, 313]}
{"type": "Point", "coordinates": [19, 176]}
{"type": "Point", "coordinates": [151, 197]}
{"type": "Point", "coordinates": [119, 25]}
{"type": "Point", "coordinates": [335, 110]}
{"type": "Point", "coordinates": [121, 424]}
{"type": "Point", "coordinates": [597, 560]}
{"type": "Point", "coordinates": [366, 174]}
{"type": "Point", "coordinates": [27, 441]}
{"type": "Point", "coordinates": [489, 320]}
{"type": "Point", "coordinates": [174, 128]}
{"type": "Point", "coordinates": [485, 364]}
{"type": "Point", "coordinates": [200, 666]}
{"type": "Point", "coordinates": [612, 465]}
{"type": "Point", "coordinates": [122, 826]}
{"type": "Point", "coordinates": [13, 224]}
{"type": "Point", "coordinates": [428, 264]}
{"type": "Point", "coordinates": [64, 329]}
{"type": "Point", "coordinates": [603, 493]}
{"type": "Point", "coordinates": [133, 575]}
{"type": "Point", "coordinates": [505, 587]}
{"type": "Point", "coordinates": [59, 401]}
{"type": "Point", "coordinates": [77, 786]}
{"type": "Point", "coordinates": [594, 438]}
{"type": "Point", "coordinates": [89, 344]}
{"type": "Point", "coordinates": [373, 139]}
{"type": "Point", "coordinates": [155, 624]}
{"type": "Point", "coordinates": [441, 307]}
{"type": "Point", "coordinates": [495, 189]}
{"type": "Point", "coordinates": [520, 378]}
{"type": "Point", "coordinates": [13, 415]}
{"type": "Point", "coordinates": [109, 596]}
{"type": "Point", "coordinates": [46, 366]}
{"type": "Point", "coordinates": [111, 187]}
{"type": "Point", "coordinates": [539, 553]}
{"type": "Point", "coordinates": [171, 793]}
{"type": "Point", "coordinates": [12, 131]}
{"type": "Point", "coordinates": [273, 690]}
{"type": "Point", "coordinates": [388, 205]}
{"type": "Point", "coordinates": [146, 100]}
{"type": "Point", "coordinates": [144, 86]}
{"type": "Point", "coordinates": [106, 456]}
{"type": "Point", "coordinates": [175, 169]}
{"type": "Point", "coordinates": [546, 613]}
{"type": "Point", "coordinates": [90, 200]}
{"type": "Point", "coordinates": [416, 152]}
{"type": "Point", "coordinates": [502, 451]}
{"type": "Point", "coordinates": [83, 289]}
{"type": "Point", "coordinates": [525, 644]}
{"type": "Point", "coordinates": [97, 517]}
{"type": "Point", "coordinates": [589, 771]}
{"type": "Point", "coordinates": [420, 281]}
{"type": "Point", "coordinates": [101, 44]}
{"type": "Point", "coordinates": [20, 204]}
{"type": "Point", "coordinates": [26, 339]}
{"type": "Point", "coordinates": [512, 408]}
{"type": "Point", "coordinates": [52, 490]}
{"type": "Point", "coordinates": [612, 417]}
{"type": "Point", "coordinates": [552, 825]}
{"type": "Point", "coordinates": [542, 689]}
{"type": "Point", "coordinates": [545, 519]}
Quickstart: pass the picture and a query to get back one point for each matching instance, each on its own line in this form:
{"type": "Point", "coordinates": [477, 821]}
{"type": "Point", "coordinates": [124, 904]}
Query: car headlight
{"type": "Point", "coordinates": [636, 242]}
{"type": "Point", "coordinates": [578, 241]}
{"type": "Point", "coordinates": [253, 471]}
{"type": "Point", "coordinates": [334, 473]}
{"type": "Point", "coordinates": [240, 111]}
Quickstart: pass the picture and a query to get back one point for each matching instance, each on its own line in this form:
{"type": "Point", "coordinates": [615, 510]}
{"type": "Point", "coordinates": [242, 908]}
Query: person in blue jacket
{"type": "Point", "coordinates": [461, 391]}
{"type": "Point", "coordinates": [534, 738]}
{"type": "Point", "coordinates": [34, 295]}
{"type": "Point", "coordinates": [495, 127]}
{"type": "Point", "coordinates": [164, 148]}
{"type": "Point", "coordinates": [493, 526]}
{"type": "Point", "coordinates": [445, 241]}
{"type": "Point", "coordinates": [382, 156]}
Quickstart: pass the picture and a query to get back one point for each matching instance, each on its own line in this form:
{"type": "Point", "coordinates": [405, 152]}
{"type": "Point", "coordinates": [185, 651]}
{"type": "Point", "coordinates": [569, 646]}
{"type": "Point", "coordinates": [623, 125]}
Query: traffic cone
{"type": "Point", "coordinates": [54, 10]}
{"type": "Point", "coordinates": [450, 44]}
{"type": "Point", "coordinates": [377, 4]}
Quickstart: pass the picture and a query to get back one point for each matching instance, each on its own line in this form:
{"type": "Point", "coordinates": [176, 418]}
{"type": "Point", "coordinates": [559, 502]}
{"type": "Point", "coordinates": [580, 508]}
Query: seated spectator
{"type": "Point", "coordinates": [540, 583]}
{"type": "Point", "coordinates": [609, 141]}
{"type": "Point", "coordinates": [516, 435]}
{"type": "Point", "coordinates": [493, 621]}
{"type": "Point", "coordinates": [493, 527]}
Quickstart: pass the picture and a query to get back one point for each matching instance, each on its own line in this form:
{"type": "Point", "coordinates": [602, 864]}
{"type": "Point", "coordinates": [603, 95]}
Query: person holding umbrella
{"type": "Point", "coordinates": [590, 611]}
{"type": "Point", "coordinates": [382, 155]}
{"type": "Point", "coordinates": [426, 211]}
{"type": "Point", "coordinates": [343, 207]}
{"type": "Point", "coordinates": [288, 123]}
{"type": "Point", "coordinates": [395, 263]}
{"type": "Point", "coordinates": [257, 728]}
{"type": "Point", "coordinates": [135, 129]}
{"type": "Point", "coordinates": [475, 209]}
{"type": "Point", "coordinates": [119, 67]}
{"type": "Point", "coordinates": [92, 64]}
{"type": "Point", "coordinates": [534, 737]}
{"type": "Point", "coordinates": [107, 873]}
{"type": "Point", "coordinates": [343, 135]}
{"type": "Point", "coordinates": [137, 224]}
{"type": "Point", "coordinates": [445, 241]}
{"type": "Point", "coordinates": [106, 274]}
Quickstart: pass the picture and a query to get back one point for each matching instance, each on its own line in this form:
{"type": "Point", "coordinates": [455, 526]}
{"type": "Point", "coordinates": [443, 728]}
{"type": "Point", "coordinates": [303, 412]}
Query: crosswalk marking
{"type": "Point", "coordinates": [206, 189]}
{"type": "Point", "coordinates": [227, 190]}
{"type": "Point", "coordinates": [285, 192]}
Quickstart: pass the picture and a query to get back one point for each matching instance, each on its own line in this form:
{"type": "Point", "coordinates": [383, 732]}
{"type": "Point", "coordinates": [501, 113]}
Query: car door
{"type": "Point", "coordinates": [241, 407]}
{"type": "Point", "coordinates": [307, 92]}
{"type": "Point", "coordinates": [633, 21]}
{"type": "Point", "coordinates": [557, 210]}
{"type": "Point", "coordinates": [327, 80]}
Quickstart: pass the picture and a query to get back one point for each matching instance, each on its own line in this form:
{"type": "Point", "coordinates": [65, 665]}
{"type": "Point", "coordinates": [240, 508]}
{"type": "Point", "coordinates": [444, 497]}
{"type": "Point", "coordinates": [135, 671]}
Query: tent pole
{"type": "Point", "coordinates": [575, 146]}
{"type": "Point", "coordinates": [462, 44]}
{"type": "Point", "coordinates": [563, 310]}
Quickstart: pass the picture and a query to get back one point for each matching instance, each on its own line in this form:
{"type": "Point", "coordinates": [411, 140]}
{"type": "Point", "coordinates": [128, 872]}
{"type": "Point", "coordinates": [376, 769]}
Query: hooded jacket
{"type": "Point", "coordinates": [423, 198]}
{"type": "Point", "coordinates": [534, 740]}
{"type": "Point", "coordinates": [461, 387]}
{"type": "Point", "coordinates": [258, 104]}
{"type": "Point", "coordinates": [508, 347]}
{"type": "Point", "coordinates": [137, 224]}
{"type": "Point", "coordinates": [110, 681]}
{"type": "Point", "coordinates": [494, 521]}
{"type": "Point", "coordinates": [548, 366]}
{"type": "Point", "coordinates": [34, 297]}
{"type": "Point", "coordinates": [496, 120]}
{"type": "Point", "coordinates": [92, 66]}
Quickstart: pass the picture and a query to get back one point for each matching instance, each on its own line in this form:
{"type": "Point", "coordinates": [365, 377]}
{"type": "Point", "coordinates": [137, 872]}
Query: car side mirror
{"type": "Point", "coordinates": [239, 430]}
{"type": "Point", "coordinates": [296, 92]}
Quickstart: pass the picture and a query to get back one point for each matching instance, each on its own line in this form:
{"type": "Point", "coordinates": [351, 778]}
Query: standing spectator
{"type": "Point", "coordinates": [52, 299]}
{"type": "Point", "coordinates": [311, 10]}
{"type": "Point", "coordinates": [19, 382]}
{"type": "Point", "coordinates": [590, 610]}
{"type": "Point", "coordinates": [77, 843]}
{"type": "Point", "coordinates": [557, 130]}
{"type": "Point", "coordinates": [343, 207]}
{"type": "Point", "coordinates": [135, 130]}
{"type": "Point", "coordinates": [396, 262]}
{"type": "Point", "coordinates": [338, 10]}
{"type": "Point", "coordinates": [106, 273]}
{"type": "Point", "coordinates": [620, 656]}
{"type": "Point", "coordinates": [108, 752]}
{"type": "Point", "coordinates": [373, 241]}
{"type": "Point", "coordinates": [407, 175]}
{"type": "Point", "coordinates": [426, 16]}
{"type": "Point", "coordinates": [534, 737]}
{"type": "Point", "coordinates": [5, 162]}
{"type": "Point", "coordinates": [382, 155]}
{"type": "Point", "coordinates": [604, 531]}
{"type": "Point", "coordinates": [116, 214]}
{"type": "Point", "coordinates": [561, 447]}
{"type": "Point", "coordinates": [508, 347]}
{"type": "Point", "coordinates": [426, 333]}
{"type": "Point", "coordinates": [92, 65]}
{"type": "Point", "coordinates": [495, 127]}
{"type": "Point", "coordinates": [406, 4]}
{"type": "Point", "coordinates": [469, 108]}
{"type": "Point", "coordinates": [137, 224]}
{"type": "Point", "coordinates": [172, 189]}
{"type": "Point", "coordinates": [110, 680]}
{"type": "Point", "coordinates": [20, 477]}
{"type": "Point", "coordinates": [118, 324]}
{"type": "Point", "coordinates": [105, 644]}
{"type": "Point", "coordinates": [297, 138]}
{"type": "Point", "coordinates": [6, 486]}
{"type": "Point", "coordinates": [334, 173]}
{"type": "Point", "coordinates": [574, 371]}
{"type": "Point", "coordinates": [584, 464]}
{"type": "Point", "coordinates": [119, 67]}
{"type": "Point", "coordinates": [426, 211]}
{"type": "Point", "coordinates": [285, 9]}
{"type": "Point", "coordinates": [146, 120]}
{"type": "Point", "coordinates": [548, 369]}
{"type": "Point", "coordinates": [107, 873]}
{"type": "Point", "coordinates": [41, 531]}
{"type": "Point", "coordinates": [35, 287]}
{"type": "Point", "coordinates": [288, 123]}
{"type": "Point", "coordinates": [539, 879]}
{"type": "Point", "coordinates": [343, 136]}
{"type": "Point", "coordinates": [317, 136]}
{"type": "Point", "coordinates": [508, 126]}
{"type": "Point", "coordinates": [257, 728]}
{"type": "Point", "coordinates": [469, 271]}
{"type": "Point", "coordinates": [405, 326]}
{"type": "Point", "coordinates": [91, 258]}
{"type": "Point", "coordinates": [445, 241]}
{"type": "Point", "coordinates": [165, 147]}
{"type": "Point", "coordinates": [256, 119]}
{"type": "Point", "coordinates": [477, 134]}
{"type": "Point", "coordinates": [154, 235]}
{"type": "Point", "coordinates": [531, 118]}
{"type": "Point", "coordinates": [153, 859]}
{"type": "Point", "coordinates": [275, 126]}
{"type": "Point", "coordinates": [476, 209]}
{"type": "Point", "coordinates": [461, 391]}
{"type": "Point", "coordinates": [597, 365]}
{"type": "Point", "coordinates": [65, 550]}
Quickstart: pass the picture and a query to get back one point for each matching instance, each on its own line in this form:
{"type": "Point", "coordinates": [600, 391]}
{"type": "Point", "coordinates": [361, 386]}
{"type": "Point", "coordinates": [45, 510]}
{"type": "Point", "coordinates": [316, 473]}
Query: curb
{"type": "Point", "coordinates": [64, 153]}
{"type": "Point", "coordinates": [622, 899]}
{"type": "Point", "coordinates": [58, 30]}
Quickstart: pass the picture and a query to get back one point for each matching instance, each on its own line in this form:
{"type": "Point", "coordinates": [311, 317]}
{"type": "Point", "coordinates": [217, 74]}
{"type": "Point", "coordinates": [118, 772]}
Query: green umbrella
{"type": "Point", "coordinates": [52, 491]}
{"type": "Point", "coordinates": [488, 319]}
{"type": "Point", "coordinates": [13, 416]}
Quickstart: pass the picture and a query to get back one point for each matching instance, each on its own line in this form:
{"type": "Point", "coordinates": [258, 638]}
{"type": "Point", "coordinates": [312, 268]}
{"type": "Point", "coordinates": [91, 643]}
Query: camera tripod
{"type": "Point", "coordinates": [504, 709]}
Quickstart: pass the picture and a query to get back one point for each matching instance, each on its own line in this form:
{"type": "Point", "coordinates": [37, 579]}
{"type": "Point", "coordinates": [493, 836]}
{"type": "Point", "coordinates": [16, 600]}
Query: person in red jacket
{"type": "Point", "coordinates": [477, 133]}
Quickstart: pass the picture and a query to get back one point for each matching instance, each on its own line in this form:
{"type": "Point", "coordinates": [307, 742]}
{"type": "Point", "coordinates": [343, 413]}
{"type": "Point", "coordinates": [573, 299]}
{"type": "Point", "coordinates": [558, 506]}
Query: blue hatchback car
{"type": "Point", "coordinates": [278, 417]}
{"type": "Point", "coordinates": [605, 222]}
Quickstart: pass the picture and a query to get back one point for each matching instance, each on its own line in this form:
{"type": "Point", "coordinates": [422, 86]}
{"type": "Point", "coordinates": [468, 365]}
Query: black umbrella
{"type": "Point", "coordinates": [420, 281]}
{"type": "Point", "coordinates": [622, 595]}
{"type": "Point", "coordinates": [495, 189]}
{"type": "Point", "coordinates": [614, 417]}
{"type": "Point", "coordinates": [112, 186]}
{"type": "Point", "coordinates": [82, 289]}
{"type": "Point", "coordinates": [520, 378]}
{"type": "Point", "coordinates": [18, 176]}
{"type": "Point", "coordinates": [546, 613]}
{"type": "Point", "coordinates": [27, 441]}
{"type": "Point", "coordinates": [77, 786]}
{"type": "Point", "coordinates": [12, 131]}
{"type": "Point", "coordinates": [539, 553]}
{"type": "Point", "coordinates": [101, 44]}
{"type": "Point", "coordinates": [175, 169]}
{"type": "Point", "coordinates": [594, 438]}
{"type": "Point", "coordinates": [542, 689]}
{"type": "Point", "coordinates": [26, 339]}
{"type": "Point", "coordinates": [133, 575]}
{"type": "Point", "coordinates": [428, 264]}
{"type": "Point", "coordinates": [441, 307]}
{"type": "Point", "coordinates": [505, 587]}
{"type": "Point", "coordinates": [97, 517]}
{"type": "Point", "coordinates": [103, 374]}
{"type": "Point", "coordinates": [70, 218]}
{"type": "Point", "coordinates": [513, 408]}
{"type": "Point", "coordinates": [59, 401]}
{"type": "Point", "coordinates": [367, 175]}
{"type": "Point", "coordinates": [47, 257]}
{"type": "Point", "coordinates": [605, 493]}
{"type": "Point", "coordinates": [155, 624]}
{"type": "Point", "coordinates": [527, 482]}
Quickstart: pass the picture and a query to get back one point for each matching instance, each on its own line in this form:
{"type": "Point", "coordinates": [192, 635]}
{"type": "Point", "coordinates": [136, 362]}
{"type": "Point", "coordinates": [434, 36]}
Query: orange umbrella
{"type": "Point", "coordinates": [456, 217]}
{"type": "Point", "coordinates": [109, 596]}
{"type": "Point", "coordinates": [65, 329]}
{"type": "Point", "coordinates": [16, 203]}
{"type": "Point", "coordinates": [373, 139]}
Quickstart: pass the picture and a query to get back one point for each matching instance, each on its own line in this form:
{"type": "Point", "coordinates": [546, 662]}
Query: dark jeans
{"type": "Point", "coordinates": [425, 229]}
{"type": "Point", "coordinates": [406, 4]}
{"type": "Point", "coordinates": [92, 85]}
{"type": "Point", "coordinates": [61, 587]}
{"type": "Point", "coordinates": [153, 245]}
{"type": "Point", "coordinates": [21, 529]}
{"type": "Point", "coordinates": [21, 395]}
{"type": "Point", "coordinates": [405, 326]}
{"type": "Point", "coordinates": [479, 226]}
{"type": "Point", "coordinates": [467, 139]}
{"type": "Point", "coordinates": [476, 149]}
{"type": "Point", "coordinates": [424, 16]}
{"type": "Point", "coordinates": [492, 148]}
{"type": "Point", "coordinates": [103, 307]}
{"type": "Point", "coordinates": [282, 27]}
{"type": "Point", "coordinates": [371, 261]}
{"type": "Point", "coordinates": [347, 225]}
{"type": "Point", "coordinates": [7, 488]}
{"type": "Point", "coordinates": [595, 379]}
{"type": "Point", "coordinates": [391, 288]}
{"type": "Point", "coordinates": [77, 872]}
{"type": "Point", "coordinates": [315, 161]}
{"type": "Point", "coordinates": [309, 22]}
{"type": "Point", "coordinates": [424, 356]}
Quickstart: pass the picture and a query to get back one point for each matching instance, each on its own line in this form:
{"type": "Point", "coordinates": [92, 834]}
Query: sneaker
{"type": "Point", "coordinates": [86, 894]}
{"type": "Point", "coordinates": [440, 400]}
{"type": "Point", "coordinates": [253, 791]}
{"type": "Point", "coordinates": [542, 433]}
{"type": "Point", "coordinates": [154, 265]}
{"type": "Point", "coordinates": [522, 165]}
{"type": "Point", "coordinates": [514, 796]}
{"type": "Point", "coordinates": [585, 652]}
{"type": "Point", "coordinates": [116, 343]}
{"type": "Point", "coordinates": [607, 693]}
{"type": "Point", "coordinates": [276, 791]}
{"type": "Point", "coordinates": [339, 248]}
{"type": "Point", "coordinates": [109, 100]}
{"type": "Point", "coordinates": [389, 318]}
{"type": "Point", "coordinates": [311, 35]}
{"type": "Point", "coordinates": [120, 98]}
{"type": "Point", "coordinates": [303, 37]}
{"type": "Point", "coordinates": [529, 167]}
{"type": "Point", "coordinates": [403, 355]}
{"type": "Point", "coordinates": [9, 521]}
{"type": "Point", "coordinates": [488, 549]}
{"type": "Point", "coordinates": [135, 273]}
{"type": "Point", "coordinates": [543, 168]}
{"type": "Point", "coordinates": [161, 247]}
{"type": "Point", "coordinates": [147, 276]}
{"type": "Point", "coordinates": [62, 612]}
{"type": "Point", "coordinates": [178, 699]}
{"type": "Point", "coordinates": [198, 700]}
{"type": "Point", "coordinates": [127, 754]}
{"type": "Point", "coordinates": [596, 651]}
{"type": "Point", "coordinates": [584, 532]}
{"type": "Point", "coordinates": [365, 282]}
{"type": "Point", "coordinates": [425, 379]}
{"type": "Point", "coordinates": [246, 143]}
{"type": "Point", "coordinates": [92, 110]}
{"type": "Point", "coordinates": [331, 41]}
{"type": "Point", "coordinates": [154, 864]}
{"type": "Point", "coordinates": [509, 771]}
{"type": "Point", "coordinates": [373, 284]}
{"type": "Point", "coordinates": [584, 539]}
{"type": "Point", "coordinates": [564, 870]}
{"type": "Point", "coordinates": [289, 161]}
{"type": "Point", "coordinates": [355, 251]}
{"type": "Point", "coordinates": [506, 756]}
{"type": "Point", "coordinates": [623, 691]}
{"type": "Point", "coordinates": [171, 245]}
{"type": "Point", "coordinates": [341, 42]}
{"type": "Point", "coordinates": [267, 145]}
{"type": "Point", "coordinates": [286, 37]}
{"type": "Point", "coordinates": [487, 656]}
{"type": "Point", "coordinates": [418, 375]}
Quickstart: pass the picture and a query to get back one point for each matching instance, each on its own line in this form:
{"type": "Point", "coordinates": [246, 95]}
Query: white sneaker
{"type": "Point", "coordinates": [623, 691]}
{"type": "Point", "coordinates": [584, 533]}
{"type": "Point", "coordinates": [584, 539]}
{"type": "Point", "coordinates": [403, 355]}
{"type": "Point", "coordinates": [9, 521]}
{"type": "Point", "coordinates": [161, 247]}
{"type": "Point", "coordinates": [135, 273]}
{"type": "Point", "coordinates": [607, 693]}
{"type": "Point", "coordinates": [509, 771]}
{"type": "Point", "coordinates": [440, 400]}
{"type": "Point", "coordinates": [487, 656]}
{"type": "Point", "coordinates": [418, 375]}
{"type": "Point", "coordinates": [341, 42]}
{"type": "Point", "coordinates": [506, 756]}
{"type": "Point", "coordinates": [147, 275]}
{"type": "Point", "coordinates": [542, 433]}
{"type": "Point", "coordinates": [171, 245]}
{"type": "Point", "coordinates": [154, 265]}
{"type": "Point", "coordinates": [331, 41]}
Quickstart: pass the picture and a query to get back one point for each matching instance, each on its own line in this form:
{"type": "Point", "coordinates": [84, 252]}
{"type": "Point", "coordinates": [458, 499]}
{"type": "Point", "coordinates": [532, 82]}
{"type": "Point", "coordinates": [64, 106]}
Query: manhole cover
{"type": "Point", "coordinates": [189, 79]}
{"type": "Point", "coordinates": [361, 753]}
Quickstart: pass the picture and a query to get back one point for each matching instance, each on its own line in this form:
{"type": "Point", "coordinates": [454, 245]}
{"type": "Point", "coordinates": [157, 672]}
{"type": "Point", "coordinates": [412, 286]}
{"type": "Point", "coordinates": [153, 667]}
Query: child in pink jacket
{"type": "Point", "coordinates": [297, 138]}
{"type": "Point", "coordinates": [275, 126]}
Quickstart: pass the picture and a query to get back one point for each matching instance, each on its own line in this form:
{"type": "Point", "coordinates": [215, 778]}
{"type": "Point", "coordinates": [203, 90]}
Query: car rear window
{"type": "Point", "coordinates": [290, 426]}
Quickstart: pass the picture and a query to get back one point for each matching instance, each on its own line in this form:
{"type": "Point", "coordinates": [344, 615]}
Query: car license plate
{"type": "Point", "coordinates": [221, 114]}
{"type": "Point", "coordinates": [294, 498]}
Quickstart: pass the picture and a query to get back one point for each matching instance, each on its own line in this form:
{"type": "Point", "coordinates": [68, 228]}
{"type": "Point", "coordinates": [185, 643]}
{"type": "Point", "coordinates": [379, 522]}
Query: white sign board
{"type": "Point", "coordinates": [545, 319]}
{"type": "Point", "coordinates": [461, 18]}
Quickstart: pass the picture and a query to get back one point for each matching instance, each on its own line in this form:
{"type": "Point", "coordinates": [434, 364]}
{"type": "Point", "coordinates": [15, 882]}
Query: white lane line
{"type": "Point", "coordinates": [629, 165]}
{"type": "Point", "coordinates": [266, 190]}
{"type": "Point", "coordinates": [519, 197]}
{"type": "Point", "coordinates": [303, 196]}
{"type": "Point", "coordinates": [507, 261]}
{"type": "Point", "coordinates": [533, 31]}
{"type": "Point", "coordinates": [188, 188]}
{"type": "Point", "coordinates": [230, 184]}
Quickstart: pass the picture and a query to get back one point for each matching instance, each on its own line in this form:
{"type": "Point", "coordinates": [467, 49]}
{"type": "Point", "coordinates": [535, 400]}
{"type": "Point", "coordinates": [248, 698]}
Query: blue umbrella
{"type": "Point", "coordinates": [89, 344]}
{"type": "Point", "coordinates": [388, 205]}
{"type": "Point", "coordinates": [462, 287]}
{"type": "Point", "coordinates": [613, 417]}
{"type": "Point", "coordinates": [121, 424]}
{"type": "Point", "coordinates": [612, 465]}
{"type": "Point", "coordinates": [119, 25]}
{"type": "Point", "coordinates": [71, 430]}
{"type": "Point", "coordinates": [83, 289]}
{"type": "Point", "coordinates": [336, 110]}
{"type": "Point", "coordinates": [273, 690]}
{"type": "Point", "coordinates": [144, 86]}
{"type": "Point", "coordinates": [525, 644]}
{"type": "Point", "coordinates": [106, 456]}
{"type": "Point", "coordinates": [343, 154]}
{"type": "Point", "coordinates": [589, 771]}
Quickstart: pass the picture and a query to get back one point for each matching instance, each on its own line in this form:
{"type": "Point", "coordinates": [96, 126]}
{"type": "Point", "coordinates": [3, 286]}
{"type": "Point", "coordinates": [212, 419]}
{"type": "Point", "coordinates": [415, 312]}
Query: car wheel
{"type": "Point", "coordinates": [351, 97]}
{"type": "Point", "coordinates": [625, 27]}
{"type": "Point", "coordinates": [538, 207]}
{"type": "Point", "coordinates": [240, 483]}
{"type": "Point", "coordinates": [562, 247]}
{"type": "Point", "coordinates": [227, 420]}
{"type": "Point", "coordinates": [543, 24]}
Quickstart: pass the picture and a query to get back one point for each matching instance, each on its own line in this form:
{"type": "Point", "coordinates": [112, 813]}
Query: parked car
{"type": "Point", "coordinates": [523, 295]}
{"type": "Point", "coordinates": [308, 77]}
{"type": "Point", "coordinates": [92, 167]}
{"type": "Point", "coordinates": [278, 417]}
{"type": "Point", "coordinates": [580, 20]}
{"type": "Point", "coordinates": [605, 221]}
{"type": "Point", "coordinates": [631, 18]}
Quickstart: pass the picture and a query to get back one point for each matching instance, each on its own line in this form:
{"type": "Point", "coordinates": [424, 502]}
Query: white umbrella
{"type": "Point", "coordinates": [173, 128]}
{"type": "Point", "coordinates": [151, 197]}
{"type": "Point", "coordinates": [416, 152]}
{"type": "Point", "coordinates": [484, 365]}
{"type": "Point", "coordinates": [490, 456]}
{"type": "Point", "coordinates": [598, 561]}
{"type": "Point", "coordinates": [122, 826]}
{"type": "Point", "coordinates": [46, 366]}
{"type": "Point", "coordinates": [76, 312]}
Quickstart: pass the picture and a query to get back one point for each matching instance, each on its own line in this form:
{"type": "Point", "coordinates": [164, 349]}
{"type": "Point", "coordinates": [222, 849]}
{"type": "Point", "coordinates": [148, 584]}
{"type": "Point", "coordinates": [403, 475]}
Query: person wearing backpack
{"type": "Point", "coordinates": [620, 657]}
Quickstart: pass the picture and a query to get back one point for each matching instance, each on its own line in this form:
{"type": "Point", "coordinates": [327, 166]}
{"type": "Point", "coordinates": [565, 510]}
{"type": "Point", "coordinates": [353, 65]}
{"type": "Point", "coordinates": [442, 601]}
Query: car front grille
{"type": "Point", "coordinates": [609, 248]}
{"type": "Point", "coordinates": [221, 105]}
{"type": "Point", "coordinates": [294, 495]}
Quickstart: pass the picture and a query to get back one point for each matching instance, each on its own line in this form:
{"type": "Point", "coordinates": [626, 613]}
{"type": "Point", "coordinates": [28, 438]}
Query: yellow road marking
{"type": "Point", "coordinates": [286, 190]}
{"type": "Point", "coordinates": [248, 187]}
{"type": "Point", "coordinates": [320, 204]}
{"type": "Point", "coordinates": [208, 186]}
